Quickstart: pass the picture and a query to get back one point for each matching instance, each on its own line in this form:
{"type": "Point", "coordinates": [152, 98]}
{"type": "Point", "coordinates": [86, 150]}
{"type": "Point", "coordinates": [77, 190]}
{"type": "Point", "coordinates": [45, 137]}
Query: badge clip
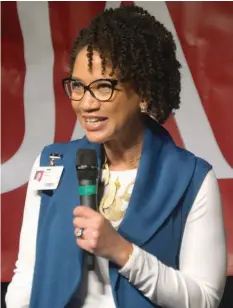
{"type": "Point", "coordinates": [53, 157]}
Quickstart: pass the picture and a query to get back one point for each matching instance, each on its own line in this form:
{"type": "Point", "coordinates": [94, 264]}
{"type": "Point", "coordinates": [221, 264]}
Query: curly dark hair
{"type": "Point", "coordinates": [142, 50]}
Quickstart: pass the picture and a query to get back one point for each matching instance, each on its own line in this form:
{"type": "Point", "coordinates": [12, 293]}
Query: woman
{"type": "Point", "coordinates": [158, 236]}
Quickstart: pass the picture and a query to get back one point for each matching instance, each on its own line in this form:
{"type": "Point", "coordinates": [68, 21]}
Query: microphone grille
{"type": "Point", "coordinates": [86, 164]}
{"type": "Point", "coordinates": [86, 157]}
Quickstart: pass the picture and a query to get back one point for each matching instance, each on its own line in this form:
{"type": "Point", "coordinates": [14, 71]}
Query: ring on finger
{"type": "Point", "coordinates": [79, 232]}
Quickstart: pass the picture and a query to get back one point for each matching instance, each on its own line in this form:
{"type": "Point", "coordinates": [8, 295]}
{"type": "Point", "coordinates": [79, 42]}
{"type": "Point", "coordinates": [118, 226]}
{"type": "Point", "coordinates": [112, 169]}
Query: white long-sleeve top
{"type": "Point", "coordinates": [199, 282]}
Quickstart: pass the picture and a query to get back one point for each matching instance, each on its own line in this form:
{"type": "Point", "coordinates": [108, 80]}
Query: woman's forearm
{"type": "Point", "coordinates": [200, 280]}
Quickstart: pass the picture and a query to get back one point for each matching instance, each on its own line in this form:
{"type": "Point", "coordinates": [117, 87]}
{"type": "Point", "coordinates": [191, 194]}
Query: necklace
{"type": "Point", "coordinates": [111, 205]}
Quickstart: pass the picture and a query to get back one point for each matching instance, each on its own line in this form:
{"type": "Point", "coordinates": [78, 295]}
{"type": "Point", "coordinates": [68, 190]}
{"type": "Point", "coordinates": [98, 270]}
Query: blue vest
{"type": "Point", "coordinates": [167, 183]}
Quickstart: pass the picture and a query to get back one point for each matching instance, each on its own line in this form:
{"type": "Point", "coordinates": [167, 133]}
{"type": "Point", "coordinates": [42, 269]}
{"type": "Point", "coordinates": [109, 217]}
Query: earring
{"type": "Point", "coordinates": [143, 107]}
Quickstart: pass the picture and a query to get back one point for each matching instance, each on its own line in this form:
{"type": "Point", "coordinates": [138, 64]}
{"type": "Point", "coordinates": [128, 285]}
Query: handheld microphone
{"type": "Point", "coordinates": [87, 174]}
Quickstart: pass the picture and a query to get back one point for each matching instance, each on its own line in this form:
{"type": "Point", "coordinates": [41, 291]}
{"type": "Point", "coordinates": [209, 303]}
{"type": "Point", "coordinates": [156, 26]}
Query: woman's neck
{"type": "Point", "coordinates": [124, 152]}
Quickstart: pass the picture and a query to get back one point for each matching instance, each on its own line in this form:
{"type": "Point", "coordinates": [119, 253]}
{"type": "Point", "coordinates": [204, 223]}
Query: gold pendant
{"type": "Point", "coordinates": [111, 205]}
{"type": "Point", "coordinates": [114, 212]}
{"type": "Point", "coordinates": [109, 197]}
{"type": "Point", "coordinates": [106, 174]}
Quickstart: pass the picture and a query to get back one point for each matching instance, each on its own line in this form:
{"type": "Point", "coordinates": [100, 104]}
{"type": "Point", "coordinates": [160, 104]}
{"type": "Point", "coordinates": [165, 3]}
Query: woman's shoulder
{"type": "Point", "coordinates": [172, 151]}
{"type": "Point", "coordinates": [199, 161]}
{"type": "Point", "coordinates": [59, 150]}
{"type": "Point", "coordinates": [62, 146]}
{"type": "Point", "coordinates": [201, 167]}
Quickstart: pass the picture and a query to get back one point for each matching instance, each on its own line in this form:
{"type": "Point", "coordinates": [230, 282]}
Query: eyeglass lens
{"type": "Point", "coordinates": [100, 89]}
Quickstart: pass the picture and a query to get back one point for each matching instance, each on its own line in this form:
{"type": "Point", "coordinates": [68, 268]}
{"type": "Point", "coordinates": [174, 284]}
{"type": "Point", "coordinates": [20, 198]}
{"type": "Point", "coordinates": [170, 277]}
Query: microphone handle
{"type": "Point", "coordinates": [89, 200]}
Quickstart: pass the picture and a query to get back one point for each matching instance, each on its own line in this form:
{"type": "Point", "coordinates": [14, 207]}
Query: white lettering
{"type": "Point", "coordinates": [39, 99]}
{"type": "Point", "coordinates": [38, 93]}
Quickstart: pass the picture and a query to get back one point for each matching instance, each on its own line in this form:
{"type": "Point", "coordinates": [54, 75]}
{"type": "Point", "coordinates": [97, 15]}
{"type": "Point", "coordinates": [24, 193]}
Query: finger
{"type": "Point", "coordinates": [85, 244]}
{"type": "Point", "coordinates": [88, 234]}
{"type": "Point", "coordinates": [84, 211]}
{"type": "Point", "coordinates": [88, 240]}
{"type": "Point", "coordinates": [80, 222]}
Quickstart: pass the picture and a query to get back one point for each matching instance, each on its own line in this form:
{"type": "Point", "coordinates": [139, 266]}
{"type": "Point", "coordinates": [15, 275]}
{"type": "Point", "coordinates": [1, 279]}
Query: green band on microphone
{"type": "Point", "coordinates": [86, 190]}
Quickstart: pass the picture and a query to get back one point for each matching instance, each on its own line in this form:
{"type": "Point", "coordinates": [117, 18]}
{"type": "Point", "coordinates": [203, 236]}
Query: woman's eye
{"type": "Point", "coordinates": [76, 85]}
{"type": "Point", "coordinates": [104, 86]}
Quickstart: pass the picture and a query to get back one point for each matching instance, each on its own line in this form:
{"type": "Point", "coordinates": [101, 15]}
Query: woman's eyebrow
{"type": "Point", "coordinates": [77, 79]}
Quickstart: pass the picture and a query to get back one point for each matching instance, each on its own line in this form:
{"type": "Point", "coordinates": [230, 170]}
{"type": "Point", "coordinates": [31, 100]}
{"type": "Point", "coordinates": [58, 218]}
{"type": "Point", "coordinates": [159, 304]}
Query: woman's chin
{"type": "Point", "coordinates": [96, 137]}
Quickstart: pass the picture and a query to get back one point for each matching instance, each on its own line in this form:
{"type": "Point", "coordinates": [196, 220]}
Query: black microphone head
{"type": "Point", "coordinates": [86, 164]}
{"type": "Point", "coordinates": [86, 157]}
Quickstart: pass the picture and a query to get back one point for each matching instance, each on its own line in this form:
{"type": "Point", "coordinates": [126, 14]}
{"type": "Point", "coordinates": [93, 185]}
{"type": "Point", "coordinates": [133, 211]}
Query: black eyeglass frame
{"type": "Point", "coordinates": [65, 81]}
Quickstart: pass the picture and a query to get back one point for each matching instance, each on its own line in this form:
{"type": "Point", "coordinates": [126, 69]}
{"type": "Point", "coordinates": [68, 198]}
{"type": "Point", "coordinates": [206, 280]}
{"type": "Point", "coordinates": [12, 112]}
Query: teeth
{"type": "Point", "coordinates": [93, 120]}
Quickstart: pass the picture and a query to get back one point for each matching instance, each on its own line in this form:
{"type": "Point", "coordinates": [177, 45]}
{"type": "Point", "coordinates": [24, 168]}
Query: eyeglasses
{"type": "Point", "coordinates": [100, 89]}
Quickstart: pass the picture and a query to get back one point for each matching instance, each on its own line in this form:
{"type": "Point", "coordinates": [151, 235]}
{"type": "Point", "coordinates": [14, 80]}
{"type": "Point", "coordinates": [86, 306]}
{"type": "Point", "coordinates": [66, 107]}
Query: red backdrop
{"type": "Point", "coordinates": [205, 32]}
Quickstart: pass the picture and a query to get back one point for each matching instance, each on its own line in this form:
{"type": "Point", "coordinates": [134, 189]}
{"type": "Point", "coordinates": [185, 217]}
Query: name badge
{"type": "Point", "coordinates": [46, 178]}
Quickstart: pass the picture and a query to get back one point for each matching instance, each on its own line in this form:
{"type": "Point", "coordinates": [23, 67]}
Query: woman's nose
{"type": "Point", "coordinates": [89, 102]}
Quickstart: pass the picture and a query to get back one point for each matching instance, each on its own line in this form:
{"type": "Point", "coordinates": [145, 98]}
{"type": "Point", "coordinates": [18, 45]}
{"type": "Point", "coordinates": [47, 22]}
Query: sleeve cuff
{"type": "Point", "coordinates": [125, 270]}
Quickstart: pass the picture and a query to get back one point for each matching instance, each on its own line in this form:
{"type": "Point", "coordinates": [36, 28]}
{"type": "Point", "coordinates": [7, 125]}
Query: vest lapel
{"type": "Point", "coordinates": [160, 183]}
{"type": "Point", "coordinates": [157, 190]}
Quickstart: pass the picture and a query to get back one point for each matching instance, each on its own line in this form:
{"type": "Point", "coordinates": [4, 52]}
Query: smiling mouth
{"type": "Point", "coordinates": [94, 120]}
{"type": "Point", "coordinates": [95, 123]}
